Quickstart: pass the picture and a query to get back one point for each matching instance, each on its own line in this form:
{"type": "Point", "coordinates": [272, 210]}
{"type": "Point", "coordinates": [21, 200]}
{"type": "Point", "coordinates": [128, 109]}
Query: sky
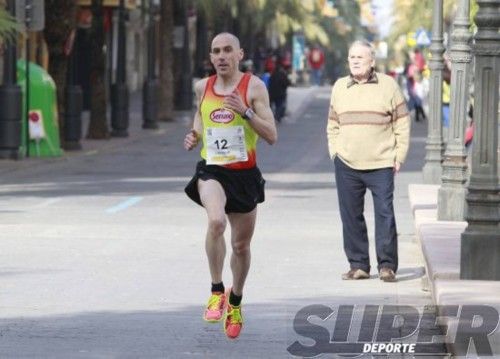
{"type": "Point", "coordinates": [383, 15]}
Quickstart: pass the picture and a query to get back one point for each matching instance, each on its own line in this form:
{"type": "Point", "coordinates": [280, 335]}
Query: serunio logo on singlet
{"type": "Point", "coordinates": [222, 115]}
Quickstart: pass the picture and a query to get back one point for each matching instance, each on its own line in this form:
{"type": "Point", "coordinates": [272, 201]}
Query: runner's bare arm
{"type": "Point", "coordinates": [262, 120]}
{"type": "Point", "coordinates": [194, 136]}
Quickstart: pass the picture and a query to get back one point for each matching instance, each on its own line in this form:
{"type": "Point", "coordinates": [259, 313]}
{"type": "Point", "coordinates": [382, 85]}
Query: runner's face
{"type": "Point", "coordinates": [360, 62]}
{"type": "Point", "coordinates": [225, 55]}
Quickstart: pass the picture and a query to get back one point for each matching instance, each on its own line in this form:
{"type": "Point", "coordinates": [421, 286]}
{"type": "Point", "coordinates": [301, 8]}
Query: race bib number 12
{"type": "Point", "coordinates": [226, 145]}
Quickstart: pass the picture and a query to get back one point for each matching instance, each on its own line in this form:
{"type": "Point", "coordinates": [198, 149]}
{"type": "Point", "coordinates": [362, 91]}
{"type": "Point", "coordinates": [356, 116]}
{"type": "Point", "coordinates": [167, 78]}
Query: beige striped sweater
{"type": "Point", "coordinates": [368, 124]}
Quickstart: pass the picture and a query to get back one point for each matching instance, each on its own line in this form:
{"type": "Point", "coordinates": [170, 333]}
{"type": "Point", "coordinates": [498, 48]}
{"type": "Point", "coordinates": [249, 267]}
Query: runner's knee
{"type": "Point", "coordinates": [241, 248]}
{"type": "Point", "coordinates": [217, 226]}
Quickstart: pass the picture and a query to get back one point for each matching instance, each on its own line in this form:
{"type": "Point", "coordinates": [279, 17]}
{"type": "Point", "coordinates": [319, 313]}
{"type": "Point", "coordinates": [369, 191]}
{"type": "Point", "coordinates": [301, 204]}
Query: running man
{"type": "Point", "coordinates": [233, 112]}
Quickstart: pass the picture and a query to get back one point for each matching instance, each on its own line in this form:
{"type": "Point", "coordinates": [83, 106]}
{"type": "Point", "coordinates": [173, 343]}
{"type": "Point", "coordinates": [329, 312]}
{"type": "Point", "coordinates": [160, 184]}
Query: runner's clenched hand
{"type": "Point", "coordinates": [235, 102]}
{"type": "Point", "coordinates": [191, 140]}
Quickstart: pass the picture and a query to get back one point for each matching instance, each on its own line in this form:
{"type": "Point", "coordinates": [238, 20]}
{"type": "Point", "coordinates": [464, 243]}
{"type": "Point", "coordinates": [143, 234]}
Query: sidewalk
{"type": "Point", "coordinates": [440, 243]}
{"type": "Point", "coordinates": [89, 146]}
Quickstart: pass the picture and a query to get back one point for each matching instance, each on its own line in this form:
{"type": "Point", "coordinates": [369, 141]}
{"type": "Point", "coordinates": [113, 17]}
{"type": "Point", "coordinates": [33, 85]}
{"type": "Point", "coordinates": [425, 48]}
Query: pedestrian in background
{"type": "Point", "coordinates": [278, 84]}
{"type": "Point", "coordinates": [368, 137]}
{"type": "Point", "coordinates": [316, 61]}
{"type": "Point", "coordinates": [420, 92]}
{"type": "Point", "coordinates": [446, 97]}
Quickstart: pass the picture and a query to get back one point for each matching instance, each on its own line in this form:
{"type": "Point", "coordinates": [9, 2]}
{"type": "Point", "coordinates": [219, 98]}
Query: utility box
{"type": "Point", "coordinates": [42, 122]}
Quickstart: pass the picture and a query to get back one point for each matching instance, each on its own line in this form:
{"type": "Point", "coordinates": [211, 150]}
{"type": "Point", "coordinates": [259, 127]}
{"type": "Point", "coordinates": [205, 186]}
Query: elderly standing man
{"type": "Point", "coordinates": [368, 137]}
{"type": "Point", "coordinates": [233, 112]}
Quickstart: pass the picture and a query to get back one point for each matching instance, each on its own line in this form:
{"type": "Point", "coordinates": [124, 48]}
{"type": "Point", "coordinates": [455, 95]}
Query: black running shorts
{"type": "Point", "coordinates": [243, 188]}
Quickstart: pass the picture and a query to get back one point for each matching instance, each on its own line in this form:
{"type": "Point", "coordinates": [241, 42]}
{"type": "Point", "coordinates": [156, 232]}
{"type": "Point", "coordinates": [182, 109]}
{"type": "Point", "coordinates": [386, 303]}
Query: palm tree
{"type": "Point", "coordinates": [218, 13]}
{"type": "Point", "coordinates": [166, 105]}
{"type": "Point", "coordinates": [8, 25]}
{"type": "Point", "coordinates": [251, 19]}
{"type": "Point", "coordinates": [291, 16]}
{"type": "Point", "coordinates": [256, 17]}
{"type": "Point", "coordinates": [98, 127]}
{"type": "Point", "coordinates": [59, 24]}
{"type": "Point", "coordinates": [412, 15]}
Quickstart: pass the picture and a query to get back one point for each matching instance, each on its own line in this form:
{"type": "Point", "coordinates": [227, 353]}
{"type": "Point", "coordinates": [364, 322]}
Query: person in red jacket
{"type": "Point", "coordinates": [316, 60]}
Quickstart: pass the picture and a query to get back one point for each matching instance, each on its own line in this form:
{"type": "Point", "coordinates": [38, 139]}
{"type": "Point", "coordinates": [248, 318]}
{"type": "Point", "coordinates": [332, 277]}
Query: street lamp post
{"type": "Point", "coordinates": [186, 91]}
{"type": "Point", "coordinates": [151, 87]}
{"type": "Point", "coordinates": [451, 195]}
{"type": "Point", "coordinates": [73, 106]}
{"type": "Point", "coordinates": [480, 247]}
{"type": "Point", "coordinates": [119, 90]}
{"type": "Point", "coordinates": [434, 148]}
{"type": "Point", "coordinates": [28, 13]}
{"type": "Point", "coordinates": [10, 99]}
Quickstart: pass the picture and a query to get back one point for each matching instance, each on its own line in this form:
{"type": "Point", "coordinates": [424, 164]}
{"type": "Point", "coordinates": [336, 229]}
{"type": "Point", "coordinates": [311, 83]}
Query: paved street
{"type": "Point", "coordinates": [103, 255]}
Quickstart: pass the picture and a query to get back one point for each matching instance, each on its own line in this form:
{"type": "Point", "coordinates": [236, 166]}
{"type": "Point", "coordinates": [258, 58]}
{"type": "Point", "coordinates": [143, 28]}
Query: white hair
{"type": "Point", "coordinates": [364, 43]}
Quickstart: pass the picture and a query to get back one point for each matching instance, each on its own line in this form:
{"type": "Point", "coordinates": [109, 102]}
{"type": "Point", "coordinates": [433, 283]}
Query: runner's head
{"type": "Point", "coordinates": [226, 54]}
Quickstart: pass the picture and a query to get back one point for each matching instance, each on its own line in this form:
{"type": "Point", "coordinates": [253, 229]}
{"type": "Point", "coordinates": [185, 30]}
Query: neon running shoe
{"type": "Point", "coordinates": [233, 321]}
{"type": "Point", "coordinates": [215, 307]}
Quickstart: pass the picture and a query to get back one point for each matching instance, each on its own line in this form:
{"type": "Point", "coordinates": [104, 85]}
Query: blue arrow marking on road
{"type": "Point", "coordinates": [124, 205]}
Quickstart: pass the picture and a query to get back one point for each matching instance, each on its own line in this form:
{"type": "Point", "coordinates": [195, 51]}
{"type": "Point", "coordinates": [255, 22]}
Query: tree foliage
{"type": "Point", "coordinates": [8, 25]}
{"type": "Point", "coordinates": [286, 15]}
{"type": "Point", "coordinates": [254, 19]}
{"type": "Point", "coordinates": [411, 15]}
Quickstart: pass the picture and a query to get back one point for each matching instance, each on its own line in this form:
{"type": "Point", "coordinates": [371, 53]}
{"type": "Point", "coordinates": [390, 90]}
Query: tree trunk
{"type": "Point", "coordinates": [166, 103]}
{"type": "Point", "coordinates": [98, 127]}
{"type": "Point", "coordinates": [202, 36]}
{"type": "Point", "coordinates": [59, 22]}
